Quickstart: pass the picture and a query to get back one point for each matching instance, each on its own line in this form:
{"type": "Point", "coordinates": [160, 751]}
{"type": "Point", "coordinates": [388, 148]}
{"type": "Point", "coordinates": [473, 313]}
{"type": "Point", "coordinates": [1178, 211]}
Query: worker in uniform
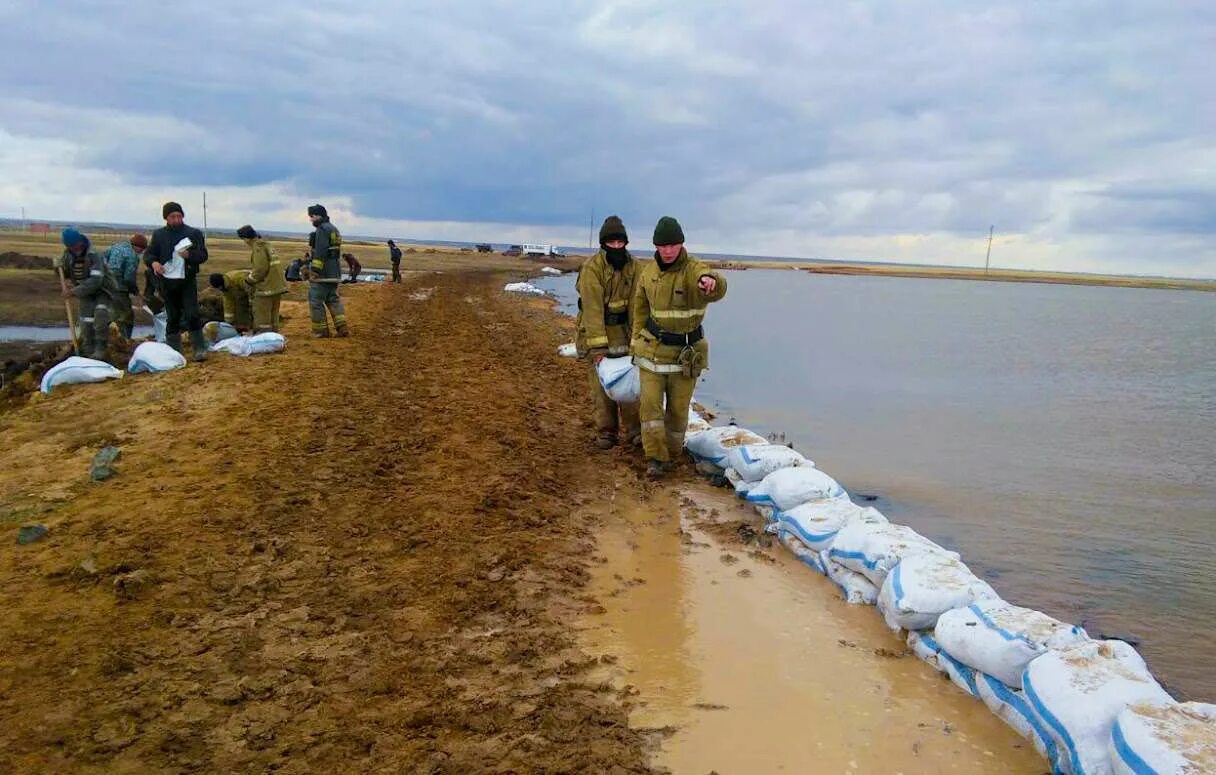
{"type": "Point", "coordinates": [324, 273]}
{"type": "Point", "coordinates": [668, 343]}
{"type": "Point", "coordinates": [123, 259]}
{"type": "Point", "coordinates": [175, 254]}
{"type": "Point", "coordinates": [394, 256]}
{"type": "Point", "coordinates": [95, 289]}
{"type": "Point", "coordinates": [605, 289]}
{"type": "Point", "coordinates": [234, 286]}
{"type": "Point", "coordinates": [267, 281]}
{"type": "Point", "coordinates": [353, 268]}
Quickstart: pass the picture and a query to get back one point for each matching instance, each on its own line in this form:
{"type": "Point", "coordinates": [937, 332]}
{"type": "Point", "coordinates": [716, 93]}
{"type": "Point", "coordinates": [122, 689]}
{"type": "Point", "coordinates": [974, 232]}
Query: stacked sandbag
{"type": "Point", "coordinates": [1166, 738]}
{"type": "Point", "coordinates": [696, 423]}
{"type": "Point", "coordinates": [527, 288]}
{"type": "Point", "coordinates": [856, 588]}
{"type": "Point", "coordinates": [216, 330]}
{"type": "Point", "coordinates": [620, 379]}
{"type": "Point", "coordinates": [76, 370]}
{"type": "Point", "coordinates": [1001, 639]}
{"type": "Point", "coordinates": [1012, 707]}
{"type": "Point", "coordinates": [788, 488]}
{"type": "Point", "coordinates": [713, 444]}
{"type": "Point", "coordinates": [923, 586]}
{"type": "Point", "coordinates": [808, 557]}
{"type": "Point", "coordinates": [753, 462]}
{"type": "Point", "coordinates": [1077, 693]}
{"type": "Point", "coordinates": [741, 486]}
{"type": "Point", "coordinates": [874, 549]}
{"type": "Point", "coordinates": [816, 523]}
{"type": "Point", "coordinates": [930, 651]}
{"type": "Point", "coordinates": [154, 357]}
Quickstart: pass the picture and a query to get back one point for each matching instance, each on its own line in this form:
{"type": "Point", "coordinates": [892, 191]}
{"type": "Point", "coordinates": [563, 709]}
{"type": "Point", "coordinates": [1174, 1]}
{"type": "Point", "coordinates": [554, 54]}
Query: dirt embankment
{"type": "Point", "coordinates": [355, 556]}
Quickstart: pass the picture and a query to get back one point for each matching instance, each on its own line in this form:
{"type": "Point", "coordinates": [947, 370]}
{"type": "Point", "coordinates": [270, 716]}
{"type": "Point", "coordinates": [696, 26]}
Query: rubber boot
{"type": "Point", "coordinates": [174, 341]}
{"type": "Point", "coordinates": [88, 339]}
{"type": "Point", "coordinates": [199, 345]}
{"type": "Point", "coordinates": [605, 441]}
{"type": "Point", "coordinates": [655, 469]}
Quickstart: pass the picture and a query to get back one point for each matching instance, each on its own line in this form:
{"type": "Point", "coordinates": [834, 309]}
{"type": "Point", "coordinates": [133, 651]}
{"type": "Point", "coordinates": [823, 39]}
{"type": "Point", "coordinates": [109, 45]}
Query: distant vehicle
{"type": "Point", "coordinates": [514, 250]}
{"type": "Point", "coordinates": [485, 248]}
{"type": "Point", "coordinates": [542, 250]}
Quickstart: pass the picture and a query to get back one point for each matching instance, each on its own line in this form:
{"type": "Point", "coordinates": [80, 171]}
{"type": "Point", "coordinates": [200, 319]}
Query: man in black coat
{"type": "Point", "coordinates": [175, 254]}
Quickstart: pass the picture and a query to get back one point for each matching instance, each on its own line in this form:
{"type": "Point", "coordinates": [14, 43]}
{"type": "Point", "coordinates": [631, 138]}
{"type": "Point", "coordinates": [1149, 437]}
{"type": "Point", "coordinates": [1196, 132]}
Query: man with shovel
{"type": "Point", "coordinates": [175, 254]}
{"type": "Point", "coordinates": [93, 286]}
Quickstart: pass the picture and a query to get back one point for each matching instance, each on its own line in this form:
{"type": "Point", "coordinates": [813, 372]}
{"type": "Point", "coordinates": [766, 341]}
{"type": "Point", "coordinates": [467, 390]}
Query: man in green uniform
{"type": "Point", "coordinates": [267, 281]}
{"type": "Point", "coordinates": [93, 285]}
{"type": "Point", "coordinates": [605, 288]}
{"type": "Point", "coordinates": [238, 312]}
{"type": "Point", "coordinates": [668, 344]}
{"type": "Point", "coordinates": [324, 274]}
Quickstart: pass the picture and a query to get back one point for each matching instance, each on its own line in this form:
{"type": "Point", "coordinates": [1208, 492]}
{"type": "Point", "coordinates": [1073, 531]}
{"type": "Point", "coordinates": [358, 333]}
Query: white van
{"type": "Point", "coordinates": [541, 250]}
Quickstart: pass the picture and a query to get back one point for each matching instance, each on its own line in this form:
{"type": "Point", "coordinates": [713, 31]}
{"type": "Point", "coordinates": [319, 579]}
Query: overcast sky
{"type": "Point", "coordinates": [1085, 131]}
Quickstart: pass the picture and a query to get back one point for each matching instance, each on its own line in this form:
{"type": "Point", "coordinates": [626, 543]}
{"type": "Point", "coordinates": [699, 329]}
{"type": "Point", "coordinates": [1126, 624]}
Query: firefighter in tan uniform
{"type": "Point", "coordinates": [267, 281]}
{"type": "Point", "coordinates": [605, 289]}
{"type": "Point", "coordinates": [668, 345]}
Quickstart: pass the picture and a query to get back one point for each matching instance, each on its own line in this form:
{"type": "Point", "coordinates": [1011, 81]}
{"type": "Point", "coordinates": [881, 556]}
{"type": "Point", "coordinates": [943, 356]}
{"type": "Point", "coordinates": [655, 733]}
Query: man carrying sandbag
{"type": "Point", "coordinates": [605, 287]}
{"type": "Point", "coordinates": [238, 312]}
{"type": "Point", "coordinates": [175, 254]}
{"type": "Point", "coordinates": [324, 273]}
{"type": "Point", "coordinates": [123, 259]}
{"type": "Point", "coordinates": [267, 281]}
{"type": "Point", "coordinates": [94, 287]}
{"type": "Point", "coordinates": [668, 345]}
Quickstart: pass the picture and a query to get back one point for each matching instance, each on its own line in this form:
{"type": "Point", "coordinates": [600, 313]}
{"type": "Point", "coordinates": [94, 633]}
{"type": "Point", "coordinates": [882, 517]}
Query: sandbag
{"type": "Point", "coordinates": [811, 559]}
{"type": "Point", "coordinates": [551, 271]}
{"type": "Point", "coordinates": [742, 486]}
{"type": "Point", "coordinates": [160, 325]}
{"type": "Point", "coordinates": [788, 488]}
{"type": "Point", "coordinates": [874, 549]}
{"type": "Point", "coordinates": [527, 288]}
{"type": "Point", "coordinates": [1173, 738]}
{"type": "Point", "coordinates": [245, 346]}
{"type": "Point", "coordinates": [856, 588]}
{"type": "Point", "coordinates": [930, 651]}
{"type": "Point", "coordinates": [620, 379]}
{"type": "Point", "coordinates": [922, 587]}
{"type": "Point", "coordinates": [568, 350]}
{"type": "Point", "coordinates": [696, 423]}
{"type": "Point", "coordinates": [1078, 692]}
{"type": "Point", "coordinates": [816, 523]}
{"type": "Point", "coordinates": [155, 357]}
{"type": "Point", "coordinates": [756, 462]}
{"type": "Point", "coordinates": [713, 444]}
{"type": "Point", "coordinates": [218, 330]}
{"type": "Point", "coordinates": [76, 370]}
{"type": "Point", "coordinates": [1000, 638]}
{"type": "Point", "coordinates": [1010, 706]}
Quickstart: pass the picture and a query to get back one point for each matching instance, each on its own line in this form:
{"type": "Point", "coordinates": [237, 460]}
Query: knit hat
{"type": "Point", "coordinates": [139, 241]}
{"type": "Point", "coordinates": [72, 236]}
{"type": "Point", "coordinates": [317, 210]}
{"type": "Point", "coordinates": [246, 232]}
{"type": "Point", "coordinates": [394, 244]}
{"type": "Point", "coordinates": [171, 207]}
{"type": "Point", "coordinates": [668, 232]}
{"type": "Point", "coordinates": [613, 228]}
{"type": "Point", "coordinates": [216, 280]}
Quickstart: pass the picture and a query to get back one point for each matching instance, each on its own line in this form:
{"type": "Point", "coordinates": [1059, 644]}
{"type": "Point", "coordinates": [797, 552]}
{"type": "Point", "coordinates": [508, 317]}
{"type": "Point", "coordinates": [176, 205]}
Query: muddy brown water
{"type": "Point", "coordinates": [751, 663]}
{"type": "Point", "coordinates": [1062, 438]}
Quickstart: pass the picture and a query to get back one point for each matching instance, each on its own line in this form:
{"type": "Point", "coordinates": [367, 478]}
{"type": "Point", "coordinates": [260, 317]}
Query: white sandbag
{"type": "Point", "coordinates": [756, 462]}
{"type": "Point", "coordinates": [245, 346]}
{"type": "Point", "coordinates": [741, 485]}
{"type": "Point", "coordinates": [811, 559]}
{"type": "Point", "coordinates": [874, 550]}
{"type": "Point", "coordinates": [160, 323]}
{"type": "Point", "coordinates": [1170, 739]}
{"type": "Point", "coordinates": [856, 588]}
{"type": "Point", "coordinates": [1078, 692]}
{"type": "Point", "coordinates": [1000, 638]}
{"type": "Point", "coordinates": [76, 370]}
{"type": "Point", "coordinates": [696, 423]}
{"type": "Point", "coordinates": [528, 288]}
{"type": "Point", "coordinates": [155, 357]}
{"type": "Point", "coordinates": [713, 444]}
{"type": "Point", "coordinates": [816, 523]}
{"type": "Point", "coordinates": [1011, 706]}
{"type": "Point", "coordinates": [568, 350]}
{"type": "Point", "coordinates": [551, 271]}
{"type": "Point", "coordinates": [217, 330]}
{"type": "Point", "coordinates": [788, 488]}
{"type": "Point", "coordinates": [929, 650]}
{"type": "Point", "coordinates": [620, 379]}
{"type": "Point", "coordinates": [922, 587]}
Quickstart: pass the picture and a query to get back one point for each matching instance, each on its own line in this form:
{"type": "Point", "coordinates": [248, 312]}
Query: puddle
{"type": "Point", "coordinates": [758, 666]}
{"type": "Point", "coordinates": [52, 333]}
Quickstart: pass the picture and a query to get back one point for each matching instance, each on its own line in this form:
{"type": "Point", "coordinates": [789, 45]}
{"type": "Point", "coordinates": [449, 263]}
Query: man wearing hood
{"type": "Point", "coordinates": [668, 345]}
{"type": "Point", "coordinates": [93, 286]}
{"type": "Point", "coordinates": [324, 274]}
{"type": "Point", "coordinates": [175, 254]}
{"type": "Point", "coordinates": [123, 260]}
{"type": "Point", "coordinates": [605, 287]}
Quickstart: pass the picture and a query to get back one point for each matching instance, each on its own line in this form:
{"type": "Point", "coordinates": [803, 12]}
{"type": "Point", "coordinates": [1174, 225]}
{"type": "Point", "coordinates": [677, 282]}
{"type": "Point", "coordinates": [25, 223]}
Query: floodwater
{"type": "Point", "coordinates": [1062, 438]}
{"type": "Point", "coordinates": [52, 333]}
{"type": "Point", "coordinates": [754, 666]}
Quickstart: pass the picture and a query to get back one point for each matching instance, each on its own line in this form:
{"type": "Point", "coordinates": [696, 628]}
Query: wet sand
{"type": "Point", "coordinates": [749, 662]}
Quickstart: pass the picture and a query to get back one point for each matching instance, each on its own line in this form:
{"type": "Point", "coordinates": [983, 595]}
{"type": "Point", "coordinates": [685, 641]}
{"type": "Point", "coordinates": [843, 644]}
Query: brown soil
{"type": "Point", "coordinates": [13, 260]}
{"type": "Point", "coordinates": [358, 555]}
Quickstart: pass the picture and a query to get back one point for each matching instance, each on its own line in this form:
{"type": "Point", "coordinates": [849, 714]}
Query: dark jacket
{"type": "Point", "coordinates": [89, 274]}
{"type": "Point", "coordinates": [394, 254]}
{"type": "Point", "coordinates": [161, 247]}
{"type": "Point", "coordinates": [326, 242]}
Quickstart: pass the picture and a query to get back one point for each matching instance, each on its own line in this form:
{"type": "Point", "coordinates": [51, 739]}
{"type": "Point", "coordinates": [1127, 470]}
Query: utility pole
{"type": "Point", "coordinates": [205, 233]}
{"type": "Point", "coordinates": [988, 257]}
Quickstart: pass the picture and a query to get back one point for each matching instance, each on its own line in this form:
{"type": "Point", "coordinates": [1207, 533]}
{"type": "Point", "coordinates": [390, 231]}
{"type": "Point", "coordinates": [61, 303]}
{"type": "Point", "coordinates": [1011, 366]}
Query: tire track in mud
{"type": "Point", "coordinates": [367, 561]}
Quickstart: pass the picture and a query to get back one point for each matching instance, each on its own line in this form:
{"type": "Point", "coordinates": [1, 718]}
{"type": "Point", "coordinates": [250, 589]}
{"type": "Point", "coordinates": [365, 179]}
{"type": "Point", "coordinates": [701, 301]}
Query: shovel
{"type": "Point", "coordinates": [67, 304]}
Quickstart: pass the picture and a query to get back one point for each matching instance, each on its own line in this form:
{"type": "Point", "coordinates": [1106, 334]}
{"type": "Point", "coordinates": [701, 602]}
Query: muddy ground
{"type": "Point", "coordinates": [358, 555]}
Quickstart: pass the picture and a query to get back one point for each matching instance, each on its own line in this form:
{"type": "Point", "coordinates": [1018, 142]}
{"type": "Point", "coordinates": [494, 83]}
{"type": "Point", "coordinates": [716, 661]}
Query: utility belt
{"type": "Point", "coordinates": [672, 339]}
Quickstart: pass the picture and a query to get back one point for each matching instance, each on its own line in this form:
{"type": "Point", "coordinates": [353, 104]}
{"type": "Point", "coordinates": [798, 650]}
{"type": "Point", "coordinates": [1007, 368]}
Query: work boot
{"type": "Point", "coordinates": [635, 440]}
{"type": "Point", "coordinates": [174, 341]}
{"type": "Point", "coordinates": [655, 469]}
{"type": "Point", "coordinates": [87, 338]}
{"type": "Point", "coordinates": [320, 334]}
{"type": "Point", "coordinates": [605, 441]}
{"type": "Point", "coordinates": [343, 332]}
{"type": "Point", "coordinates": [199, 345]}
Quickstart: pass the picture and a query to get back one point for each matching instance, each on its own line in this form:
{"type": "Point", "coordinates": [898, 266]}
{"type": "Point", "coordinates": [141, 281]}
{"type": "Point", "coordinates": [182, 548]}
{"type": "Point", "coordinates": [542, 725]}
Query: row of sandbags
{"type": "Point", "coordinates": [1089, 706]}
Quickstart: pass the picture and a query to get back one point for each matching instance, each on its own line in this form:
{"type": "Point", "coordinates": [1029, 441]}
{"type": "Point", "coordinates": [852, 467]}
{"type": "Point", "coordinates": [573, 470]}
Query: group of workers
{"type": "Point", "coordinates": [103, 283]}
{"type": "Point", "coordinates": [654, 314]}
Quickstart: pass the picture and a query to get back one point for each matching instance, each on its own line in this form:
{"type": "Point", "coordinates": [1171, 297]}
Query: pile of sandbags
{"type": "Point", "coordinates": [923, 586]}
{"type": "Point", "coordinates": [788, 488]}
{"type": "Point", "coordinates": [1175, 737]}
{"type": "Point", "coordinates": [753, 462]}
{"type": "Point", "coordinates": [874, 549]}
{"type": "Point", "coordinates": [816, 523]}
{"type": "Point", "coordinates": [1001, 639]}
{"type": "Point", "coordinates": [713, 444]}
{"type": "Point", "coordinates": [526, 288]}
